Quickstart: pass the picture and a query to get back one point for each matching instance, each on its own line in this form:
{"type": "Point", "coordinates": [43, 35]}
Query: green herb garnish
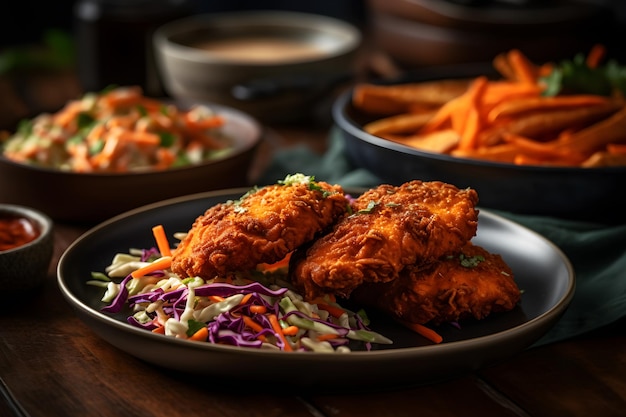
{"type": "Point", "coordinates": [471, 261]}
{"type": "Point", "coordinates": [369, 208]}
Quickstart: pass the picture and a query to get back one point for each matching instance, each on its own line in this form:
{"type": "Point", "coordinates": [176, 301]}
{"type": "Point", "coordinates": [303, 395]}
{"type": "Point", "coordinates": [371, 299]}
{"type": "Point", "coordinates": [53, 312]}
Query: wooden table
{"type": "Point", "coordinates": [54, 365]}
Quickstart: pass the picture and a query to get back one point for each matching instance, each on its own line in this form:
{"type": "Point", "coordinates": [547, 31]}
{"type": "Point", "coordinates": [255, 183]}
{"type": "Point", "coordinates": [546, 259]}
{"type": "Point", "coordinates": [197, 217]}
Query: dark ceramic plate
{"type": "Point", "coordinates": [542, 271]}
{"type": "Point", "coordinates": [575, 193]}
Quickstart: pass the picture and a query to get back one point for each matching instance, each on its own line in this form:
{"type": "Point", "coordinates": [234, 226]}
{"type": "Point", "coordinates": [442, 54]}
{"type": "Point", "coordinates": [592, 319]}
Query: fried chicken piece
{"type": "Point", "coordinates": [471, 284]}
{"type": "Point", "coordinates": [391, 227]}
{"type": "Point", "coordinates": [262, 227]}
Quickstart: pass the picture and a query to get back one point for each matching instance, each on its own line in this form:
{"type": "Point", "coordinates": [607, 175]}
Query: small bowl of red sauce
{"type": "Point", "coordinates": [26, 247]}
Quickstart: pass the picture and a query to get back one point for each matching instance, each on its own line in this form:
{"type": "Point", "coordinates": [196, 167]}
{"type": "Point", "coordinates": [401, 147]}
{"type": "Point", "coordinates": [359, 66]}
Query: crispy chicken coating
{"type": "Point", "coordinates": [262, 227]}
{"type": "Point", "coordinates": [470, 284]}
{"type": "Point", "coordinates": [390, 227]}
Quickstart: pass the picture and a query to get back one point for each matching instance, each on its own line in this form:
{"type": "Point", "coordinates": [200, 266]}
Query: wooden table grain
{"type": "Point", "coordinates": [52, 364]}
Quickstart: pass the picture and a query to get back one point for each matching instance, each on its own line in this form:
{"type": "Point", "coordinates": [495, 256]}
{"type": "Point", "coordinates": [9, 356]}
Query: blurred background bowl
{"type": "Point", "coordinates": [25, 267]}
{"type": "Point", "coordinates": [592, 194]}
{"type": "Point", "coordinates": [417, 33]}
{"type": "Point", "coordinates": [93, 197]}
{"type": "Point", "coordinates": [191, 71]}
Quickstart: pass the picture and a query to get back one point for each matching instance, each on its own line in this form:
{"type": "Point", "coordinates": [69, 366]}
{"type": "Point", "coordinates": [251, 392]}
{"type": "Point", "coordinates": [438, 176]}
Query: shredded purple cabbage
{"type": "Point", "coordinates": [146, 254]}
{"type": "Point", "coordinates": [118, 303]}
{"type": "Point", "coordinates": [226, 290]}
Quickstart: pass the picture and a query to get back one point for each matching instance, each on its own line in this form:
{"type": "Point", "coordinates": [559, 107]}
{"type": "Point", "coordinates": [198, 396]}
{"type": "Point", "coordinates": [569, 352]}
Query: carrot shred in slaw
{"type": "Point", "coordinates": [116, 131]}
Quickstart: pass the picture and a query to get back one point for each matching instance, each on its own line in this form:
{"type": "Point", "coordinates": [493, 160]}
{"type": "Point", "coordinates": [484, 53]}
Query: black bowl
{"type": "Point", "coordinates": [590, 194]}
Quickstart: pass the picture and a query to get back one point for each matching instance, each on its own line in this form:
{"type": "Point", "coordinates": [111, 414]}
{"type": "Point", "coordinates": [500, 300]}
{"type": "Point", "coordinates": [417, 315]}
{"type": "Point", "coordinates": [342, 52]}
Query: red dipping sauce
{"type": "Point", "coordinates": [16, 231]}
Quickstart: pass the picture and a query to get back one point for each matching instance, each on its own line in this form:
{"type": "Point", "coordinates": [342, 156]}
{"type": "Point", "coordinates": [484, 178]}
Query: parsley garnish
{"type": "Point", "coordinates": [193, 326]}
{"type": "Point", "coordinates": [237, 203]}
{"type": "Point", "coordinates": [304, 179]}
{"type": "Point", "coordinates": [369, 208]}
{"type": "Point", "coordinates": [574, 76]}
{"type": "Point", "coordinates": [167, 139]}
{"type": "Point", "coordinates": [470, 261]}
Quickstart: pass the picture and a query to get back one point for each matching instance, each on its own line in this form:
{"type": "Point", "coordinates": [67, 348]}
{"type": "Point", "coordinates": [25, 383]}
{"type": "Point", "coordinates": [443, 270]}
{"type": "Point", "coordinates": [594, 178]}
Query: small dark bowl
{"type": "Point", "coordinates": [25, 267]}
{"type": "Point", "coordinates": [590, 194]}
{"type": "Point", "coordinates": [91, 198]}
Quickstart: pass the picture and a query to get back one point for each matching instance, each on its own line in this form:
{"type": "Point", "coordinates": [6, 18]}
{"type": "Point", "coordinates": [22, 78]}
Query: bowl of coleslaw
{"type": "Point", "coordinates": [108, 152]}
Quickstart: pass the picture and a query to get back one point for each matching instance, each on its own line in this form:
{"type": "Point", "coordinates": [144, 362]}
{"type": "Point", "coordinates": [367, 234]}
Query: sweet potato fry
{"type": "Point", "coordinates": [441, 141]}
{"type": "Point", "coordinates": [544, 151]}
{"type": "Point", "coordinates": [501, 91]}
{"type": "Point", "coordinates": [499, 153]}
{"type": "Point", "coordinates": [503, 66]}
{"type": "Point", "coordinates": [616, 148]}
{"type": "Point", "coordinates": [473, 116]}
{"type": "Point", "coordinates": [386, 100]}
{"type": "Point", "coordinates": [540, 124]}
{"type": "Point", "coordinates": [400, 124]}
{"type": "Point", "coordinates": [598, 135]}
{"type": "Point", "coordinates": [524, 70]}
{"type": "Point", "coordinates": [605, 159]}
{"type": "Point", "coordinates": [517, 119]}
{"type": "Point", "coordinates": [539, 103]}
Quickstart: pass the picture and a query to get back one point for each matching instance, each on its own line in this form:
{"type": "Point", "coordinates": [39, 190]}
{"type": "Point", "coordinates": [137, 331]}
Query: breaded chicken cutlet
{"type": "Point", "coordinates": [472, 283]}
{"type": "Point", "coordinates": [390, 227]}
{"type": "Point", "coordinates": [262, 227]}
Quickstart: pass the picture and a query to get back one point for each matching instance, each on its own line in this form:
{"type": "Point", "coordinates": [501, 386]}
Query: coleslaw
{"type": "Point", "coordinates": [118, 130]}
{"type": "Point", "coordinates": [253, 309]}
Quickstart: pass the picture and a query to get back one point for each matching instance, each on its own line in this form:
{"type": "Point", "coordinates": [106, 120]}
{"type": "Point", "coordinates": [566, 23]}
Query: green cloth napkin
{"type": "Point", "coordinates": [597, 252]}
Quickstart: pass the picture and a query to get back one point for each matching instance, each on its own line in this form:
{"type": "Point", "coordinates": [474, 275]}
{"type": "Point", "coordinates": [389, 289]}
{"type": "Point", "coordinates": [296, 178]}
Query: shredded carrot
{"type": "Point", "coordinates": [279, 331]}
{"type": "Point", "coordinates": [246, 298]}
{"type": "Point", "coordinates": [160, 237]}
{"type": "Point", "coordinates": [326, 336]}
{"type": "Point", "coordinates": [201, 335]}
{"type": "Point", "coordinates": [276, 265]}
{"type": "Point", "coordinates": [165, 158]}
{"type": "Point", "coordinates": [202, 123]}
{"type": "Point", "coordinates": [215, 298]}
{"type": "Point", "coordinates": [258, 309]}
{"type": "Point", "coordinates": [253, 325]}
{"type": "Point", "coordinates": [332, 310]}
{"type": "Point", "coordinates": [68, 113]}
{"type": "Point", "coordinates": [422, 330]}
{"type": "Point", "coordinates": [290, 330]}
{"type": "Point", "coordinates": [123, 130]}
{"type": "Point", "coordinates": [140, 138]}
{"type": "Point", "coordinates": [159, 330]}
{"type": "Point", "coordinates": [161, 263]}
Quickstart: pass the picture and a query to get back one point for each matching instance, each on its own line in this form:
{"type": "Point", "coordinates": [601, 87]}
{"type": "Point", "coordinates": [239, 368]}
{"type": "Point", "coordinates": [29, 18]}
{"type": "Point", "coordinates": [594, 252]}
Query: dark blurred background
{"type": "Point", "coordinates": [105, 40]}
